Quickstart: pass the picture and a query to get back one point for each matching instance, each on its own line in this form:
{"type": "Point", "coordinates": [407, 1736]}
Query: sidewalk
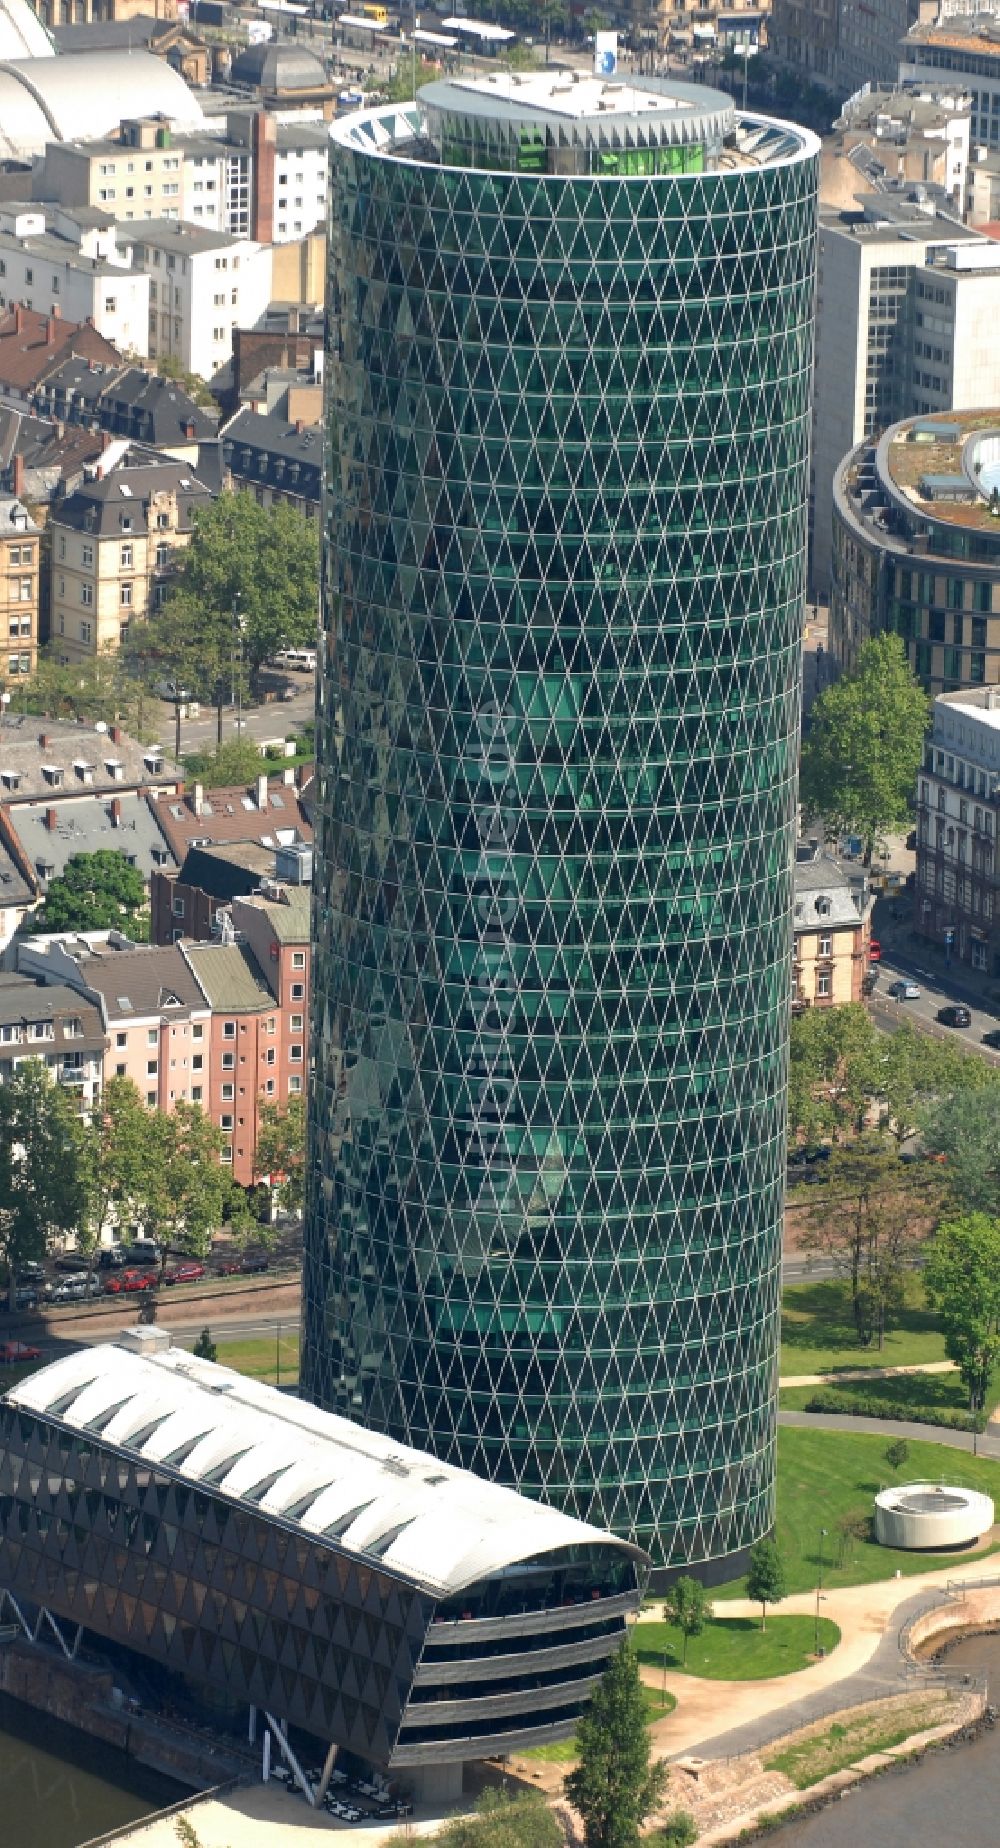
{"type": "Point", "coordinates": [988, 1445]}
{"type": "Point", "coordinates": [716, 1719]}
{"type": "Point", "coordinates": [867, 1373]}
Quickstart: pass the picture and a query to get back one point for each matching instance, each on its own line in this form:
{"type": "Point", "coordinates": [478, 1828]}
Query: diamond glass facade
{"type": "Point", "coordinates": [564, 571]}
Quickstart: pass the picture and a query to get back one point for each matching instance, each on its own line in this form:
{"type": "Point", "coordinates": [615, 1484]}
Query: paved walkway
{"type": "Point", "coordinates": [867, 1373]}
{"type": "Point", "coordinates": [724, 1719]}
{"type": "Point", "coordinates": [988, 1445]}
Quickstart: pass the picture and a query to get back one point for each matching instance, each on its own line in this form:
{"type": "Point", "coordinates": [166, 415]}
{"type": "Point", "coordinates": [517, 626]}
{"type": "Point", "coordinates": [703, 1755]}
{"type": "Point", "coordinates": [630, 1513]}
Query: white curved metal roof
{"type": "Point", "coordinates": [436, 1525]}
{"type": "Point", "coordinates": [83, 97]}
{"type": "Point", "coordinates": [22, 34]}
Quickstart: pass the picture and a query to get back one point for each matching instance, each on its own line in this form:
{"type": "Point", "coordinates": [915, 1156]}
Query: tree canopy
{"type": "Point", "coordinates": [766, 1577]}
{"type": "Point", "coordinates": [237, 761]}
{"type": "Point", "coordinates": [96, 891]}
{"type": "Point", "coordinates": [962, 1280]}
{"type": "Point", "coordinates": [42, 1191]}
{"type": "Point", "coordinates": [687, 1607]}
{"type": "Point", "coordinates": [864, 746]}
{"type": "Point", "coordinates": [614, 1786]}
{"type": "Point", "coordinates": [869, 1219]}
{"type": "Point", "coordinates": [965, 1130]}
{"type": "Point", "coordinates": [841, 1065]}
{"type": "Point", "coordinates": [281, 1151]}
{"type": "Point", "coordinates": [246, 586]}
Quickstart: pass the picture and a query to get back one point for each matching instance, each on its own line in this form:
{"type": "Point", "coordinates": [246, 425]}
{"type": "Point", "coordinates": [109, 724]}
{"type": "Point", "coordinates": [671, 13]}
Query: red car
{"type": "Point", "coordinates": [16, 1354]}
{"type": "Point", "coordinates": [874, 950]}
{"type": "Point", "coordinates": [128, 1282]}
{"type": "Point", "coordinates": [185, 1273]}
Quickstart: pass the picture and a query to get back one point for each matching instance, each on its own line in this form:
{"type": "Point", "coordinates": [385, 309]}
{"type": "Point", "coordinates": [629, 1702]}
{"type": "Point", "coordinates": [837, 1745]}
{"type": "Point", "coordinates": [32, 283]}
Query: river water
{"type": "Point", "coordinates": [950, 1799]}
{"type": "Point", "coordinates": [58, 1788]}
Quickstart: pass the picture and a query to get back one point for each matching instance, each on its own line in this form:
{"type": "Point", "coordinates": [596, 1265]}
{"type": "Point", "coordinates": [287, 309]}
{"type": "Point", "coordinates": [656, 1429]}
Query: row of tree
{"type": "Point", "coordinates": [62, 1174]}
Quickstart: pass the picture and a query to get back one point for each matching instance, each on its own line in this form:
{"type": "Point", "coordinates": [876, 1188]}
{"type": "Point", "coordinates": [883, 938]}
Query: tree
{"type": "Point", "coordinates": [962, 1280]}
{"type": "Point", "coordinates": [247, 586]}
{"type": "Point", "coordinates": [865, 743]}
{"type": "Point", "coordinates": [873, 1215]}
{"type": "Point", "coordinates": [831, 1070]}
{"type": "Point", "coordinates": [679, 1830]}
{"type": "Point", "coordinates": [119, 1149]}
{"type": "Point", "coordinates": [281, 1151]}
{"type": "Point", "coordinates": [235, 762]}
{"type": "Point", "coordinates": [96, 891]}
{"type": "Point", "coordinates": [686, 1606]}
{"type": "Point", "coordinates": [965, 1130]}
{"type": "Point", "coordinates": [205, 1348]}
{"type": "Point", "coordinates": [851, 1527]}
{"type": "Point", "coordinates": [614, 1787]}
{"type": "Point", "coordinates": [896, 1454]}
{"type": "Point", "coordinates": [42, 1190]}
{"type": "Point", "coordinates": [766, 1577]}
{"type": "Point", "coordinates": [187, 1187]}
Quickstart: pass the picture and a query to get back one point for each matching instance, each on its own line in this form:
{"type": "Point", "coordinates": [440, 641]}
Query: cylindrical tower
{"type": "Point", "coordinates": [568, 384]}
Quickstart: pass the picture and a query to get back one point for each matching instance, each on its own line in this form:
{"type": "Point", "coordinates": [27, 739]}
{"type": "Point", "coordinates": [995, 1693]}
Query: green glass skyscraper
{"type": "Point", "coordinates": [568, 383]}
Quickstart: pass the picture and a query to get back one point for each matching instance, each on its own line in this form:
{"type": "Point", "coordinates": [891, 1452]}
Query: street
{"type": "Point", "coordinates": [278, 719]}
{"type": "Point", "coordinates": [936, 989]}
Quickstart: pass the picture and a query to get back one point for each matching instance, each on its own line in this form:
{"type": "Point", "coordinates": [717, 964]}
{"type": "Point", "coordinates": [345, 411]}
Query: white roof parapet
{"type": "Point", "coordinates": [440, 1527]}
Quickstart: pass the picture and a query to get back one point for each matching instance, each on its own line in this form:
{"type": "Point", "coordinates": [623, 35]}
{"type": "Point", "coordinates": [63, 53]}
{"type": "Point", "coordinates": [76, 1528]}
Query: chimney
{"type": "Point", "coordinates": [116, 811]}
{"type": "Point", "coordinates": [18, 318]}
{"type": "Point", "coordinates": [51, 817]}
{"type": "Point", "coordinates": [18, 477]}
{"type": "Point", "coordinates": [50, 331]}
{"type": "Point", "coordinates": [189, 429]}
{"type": "Point", "coordinates": [262, 792]}
{"type": "Point", "coordinates": [43, 739]}
{"type": "Point", "coordinates": [300, 424]}
{"type": "Point", "coordinates": [115, 734]}
{"type": "Point", "coordinates": [198, 798]}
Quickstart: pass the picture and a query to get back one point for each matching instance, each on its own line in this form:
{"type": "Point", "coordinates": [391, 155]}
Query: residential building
{"type": "Point", "coordinates": [916, 547]}
{"type": "Point", "coordinates": [832, 932]}
{"type": "Point", "coordinates": [548, 1111]}
{"type": "Point", "coordinates": [59, 263]}
{"type": "Point", "coordinates": [33, 344]}
{"type": "Point", "coordinates": [887, 137]}
{"type": "Point", "coordinates": [56, 1026]}
{"type": "Point", "coordinates": [297, 349]}
{"type": "Point", "coordinates": [258, 991]}
{"type": "Point", "coordinates": [114, 547]}
{"type": "Point", "coordinates": [154, 1017]}
{"type": "Point", "coordinates": [202, 284]}
{"type": "Point", "coordinates": [909, 299]}
{"type": "Point", "coordinates": [274, 813]}
{"type": "Point", "coordinates": [275, 461]}
{"type": "Point", "coordinates": [961, 48]}
{"type": "Point", "coordinates": [842, 43]}
{"type": "Point", "coordinates": [187, 903]}
{"type": "Point", "coordinates": [285, 1561]}
{"type": "Point", "coordinates": [41, 460]}
{"type": "Point", "coordinates": [127, 401]}
{"type": "Point", "coordinates": [20, 545]}
{"type": "Point", "coordinates": [958, 824]}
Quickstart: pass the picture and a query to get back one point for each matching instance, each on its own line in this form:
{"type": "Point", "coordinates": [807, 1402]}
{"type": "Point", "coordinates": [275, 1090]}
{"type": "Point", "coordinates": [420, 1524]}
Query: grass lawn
{"type": "Point", "coordinates": [823, 1475]}
{"type": "Point", "coordinates": [818, 1333]}
{"type": "Point", "coordinates": [735, 1648]}
{"type": "Point", "coordinates": [906, 1394]}
{"type": "Point", "coordinates": [260, 1358]}
{"type": "Point", "coordinates": [563, 1752]}
{"type": "Point", "coordinates": [817, 1754]}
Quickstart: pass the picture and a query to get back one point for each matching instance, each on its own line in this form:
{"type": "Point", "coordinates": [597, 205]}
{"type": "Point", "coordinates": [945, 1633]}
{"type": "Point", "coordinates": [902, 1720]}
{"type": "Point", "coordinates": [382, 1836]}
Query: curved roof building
{"type": "Point", "coordinates": [85, 96]}
{"type": "Point", "coordinates": [487, 1618]}
{"type": "Point", "coordinates": [568, 384]}
{"type": "Point", "coordinates": [22, 34]}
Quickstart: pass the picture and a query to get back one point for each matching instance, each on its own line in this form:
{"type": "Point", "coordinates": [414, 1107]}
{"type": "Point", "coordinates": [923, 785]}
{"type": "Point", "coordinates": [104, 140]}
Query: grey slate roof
{"type": "Point", "coordinates": [279, 66]}
{"type": "Point", "coordinates": [125, 400]}
{"type": "Point", "coordinates": [30, 747]}
{"type": "Point", "coordinates": [263, 448]}
{"type": "Point", "coordinates": [99, 506]}
{"type": "Point", "coordinates": [823, 896]}
{"type": "Point", "coordinates": [23, 1002]}
{"type": "Point", "coordinates": [146, 980]}
{"type": "Point", "coordinates": [85, 826]}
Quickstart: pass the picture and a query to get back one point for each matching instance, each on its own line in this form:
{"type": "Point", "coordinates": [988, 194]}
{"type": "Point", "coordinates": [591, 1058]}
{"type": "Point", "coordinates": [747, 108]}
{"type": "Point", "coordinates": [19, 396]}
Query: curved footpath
{"type": "Point", "coordinates": [716, 1719]}
{"type": "Point", "coordinates": [988, 1445]}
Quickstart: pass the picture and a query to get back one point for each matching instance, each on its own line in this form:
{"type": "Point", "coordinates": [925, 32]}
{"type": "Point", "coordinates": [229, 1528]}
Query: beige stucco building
{"type": "Point", "coordinates": [20, 539]}
{"type": "Point", "coordinates": [832, 932]}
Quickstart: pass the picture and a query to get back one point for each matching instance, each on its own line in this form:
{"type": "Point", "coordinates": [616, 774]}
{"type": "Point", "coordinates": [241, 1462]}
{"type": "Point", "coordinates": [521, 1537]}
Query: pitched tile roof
{"type": "Point", "coordinates": [32, 343]}
{"type": "Point", "coordinates": [232, 814]}
{"type": "Point", "coordinates": [146, 980]}
{"type": "Point", "coordinates": [229, 976]}
{"type": "Point", "coordinates": [290, 916]}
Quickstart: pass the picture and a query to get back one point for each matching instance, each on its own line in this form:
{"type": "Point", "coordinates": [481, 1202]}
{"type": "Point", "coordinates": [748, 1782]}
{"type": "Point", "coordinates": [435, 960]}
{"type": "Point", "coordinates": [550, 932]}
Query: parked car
{"type": "Point", "coordinates": [26, 1296]}
{"type": "Point", "coordinates": [137, 1280]}
{"type": "Point", "coordinates": [874, 950]}
{"type": "Point", "coordinates": [955, 1015]}
{"type": "Point", "coordinates": [17, 1354]}
{"type": "Point", "coordinates": [111, 1257]}
{"type": "Point", "coordinates": [30, 1272]}
{"type": "Point", "coordinates": [249, 1263]}
{"type": "Point", "coordinates": [143, 1252]}
{"type": "Point", "coordinates": [992, 1038]}
{"type": "Point", "coordinates": [68, 1289]}
{"type": "Point", "coordinates": [172, 691]}
{"type": "Point", "coordinates": [184, 1273]}
{"type": "Point", "coordinates": [904, 990]}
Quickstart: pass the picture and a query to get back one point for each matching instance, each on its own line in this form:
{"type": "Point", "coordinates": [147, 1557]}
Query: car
{"type": "Point", "coordinates": [874, 950]}
{"type": "Point", "coordinates": [184, 1273]}
{"type": "Point", "coordinates": [954, 1015]}
{"type": "Point", "coordinates": [30, 1272]}
{"type": "Point", "coordinates": [137, 1280]}
{"type": "Point", "coordinates": [992, 1038]}
{"type": "Point", "coordinates": [172, 692]}
{"type": "Point", "coordinates": [17, 1354]}
{"type": "Point", "coordinates": [249, 1264]}
{"type": "Point", "coordinates": [68, 1289]}
{"type": "Point", "coordinates": [904, 990]}
{"type": "Point", "coordinates": [869, 982]}
{"type": "Point", "coordinates": [143, 1252]}
{"type": "Point", "coordinates": [26, 1296]}
{"type": "Point", "coordinates": [112, 1257]}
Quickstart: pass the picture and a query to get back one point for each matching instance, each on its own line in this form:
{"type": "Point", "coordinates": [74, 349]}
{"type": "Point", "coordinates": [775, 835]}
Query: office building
{"type": "Point", "coordinates": [957, 896]}
{"type": "Point", "coordinates": [553, 890]}
{"type": "Point", "coordinates": [962, 48]}
{"type": "Point", "coordinates": [916, 547]}
{"type": "Point", "coordinates": [908, 304]}
{"type": "Point", "coordinates": [842, 43]}
{"type": "Point", "coordinates": [271, 1556]}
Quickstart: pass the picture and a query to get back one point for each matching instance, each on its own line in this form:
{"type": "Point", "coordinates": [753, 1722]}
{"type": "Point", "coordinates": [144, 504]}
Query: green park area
{"type": "Point", "coordinates": [657, 1703]}
{"type": "Point", "coordinates": [819, 1333]}
{"type": "Point", "coordinates": [736, 1648]}
{"type": "Point", "coordinates": [272, 1359]}
{"type": "Point", "coordinates": [829, 1479]}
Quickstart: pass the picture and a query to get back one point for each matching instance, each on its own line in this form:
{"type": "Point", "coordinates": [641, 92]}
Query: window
{"type": "Point", "coordinates": [295, 1052]}
{"type": "Point", "coordinates": [162, 556]}
{"type": "Point", "coordinates": [226, 1156]}
{"type": "Point", "coordinates": [126, 596]}
{"type": "Point", "coordinates": [152, 1036]}
{"type": "Point", "coordinates": [298, 991]}
{"type": "Point", "coordinates": [177, 907]}
{"type": "Point", "coordinates": [295, 1023]}
{"type": "Point", "coordinates": [228, 1093]}
{"type": "Point", "coordinates": [229, 1061]}
{"type": "Point", "coordinates": [196, 1093]}
{"type": "Point", "coordinates": [126, 557]}
{"type": "Point", "coordinates": [294, 1085]}
{"type": "Point", "coordinates": [151, 1099]}
{"type": "Point", "coordinates": [85, 632]}
{"type": "Point", "coordinates": [269, 1025]}
{"type": "Point", "coordinates": [87, 595]}
{"type": "Point", "coordinates": [87, 555]}
{"type": "Point", "coordinates": [120, 1071]}
{"type": "Point", "coordinates": [198, 1062]}
{"type": "Point", "coordinates": [151, 1068]}
{"type": "Point", "coordinates": [198, 1030]}
{"type": "Point", "coordinates": [121, 1039]}
{"type": "Point", "coordinates": [226, 1122]}
{"type": "Point", "coordinates": [826, 945]}
{"type": "Point", "coordinates": [822, 984]}
{"type": "Point", "coordinates": [229, 1029]}
{"type": "Point", "coordinates": [298, 959]}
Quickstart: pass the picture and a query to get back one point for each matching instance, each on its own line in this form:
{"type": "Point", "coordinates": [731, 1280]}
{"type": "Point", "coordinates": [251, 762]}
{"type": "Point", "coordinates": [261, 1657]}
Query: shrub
{"type": "Point", "coordinates": [679, 1831]}
{"type": "Point", "coordinates": [858, 1405]}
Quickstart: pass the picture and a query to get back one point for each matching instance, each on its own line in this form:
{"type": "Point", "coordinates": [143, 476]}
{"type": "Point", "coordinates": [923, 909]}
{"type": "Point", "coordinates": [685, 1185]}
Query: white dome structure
{"type": "Point", "coordinates": [931, 1517]}
{"type": "Point", "coordinates": [22, 34]}
{"type": "Point", "coordinates": [85, 97]}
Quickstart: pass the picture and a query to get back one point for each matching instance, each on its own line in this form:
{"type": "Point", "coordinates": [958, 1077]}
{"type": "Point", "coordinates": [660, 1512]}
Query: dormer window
{"type": "Point", "coordinates": [11, 779]}
{"type": "Point", "coordinates": [153, 761]}
{"type": "Point", "coordinates": [84, 771]}
{"type": "Point", "coordinates": [53, 774]}
{"type": "Point", "coordinates": [115, 769]}
{"type": "Point", "coordinates": [823, 907]}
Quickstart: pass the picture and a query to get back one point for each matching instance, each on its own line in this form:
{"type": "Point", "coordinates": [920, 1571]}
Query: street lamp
{"type": "Point", "coordinates": [819, 1589]}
